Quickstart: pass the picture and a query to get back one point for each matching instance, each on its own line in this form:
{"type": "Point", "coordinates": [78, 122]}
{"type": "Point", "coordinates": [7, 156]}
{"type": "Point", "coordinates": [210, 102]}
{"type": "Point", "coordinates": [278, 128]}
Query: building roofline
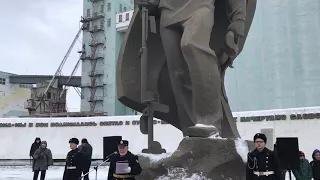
{"type": "Point", "coordinates": [7, 73]}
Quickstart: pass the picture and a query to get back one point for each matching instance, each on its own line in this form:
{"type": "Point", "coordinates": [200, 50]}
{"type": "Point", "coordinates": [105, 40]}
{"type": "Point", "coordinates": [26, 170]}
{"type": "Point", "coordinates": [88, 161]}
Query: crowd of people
{"type": "Point", "coordinates": [264, 164]}
{"type": "Point", "coordinates": [79, 156]}
{"type": "Point", "coordinates": [123, 165]}
{"type": "Point", "coordinates": [307, 170]}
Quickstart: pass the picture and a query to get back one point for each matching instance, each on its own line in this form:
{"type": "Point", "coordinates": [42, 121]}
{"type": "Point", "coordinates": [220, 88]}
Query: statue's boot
{"type": "Point", "coordinates": [203, 131]}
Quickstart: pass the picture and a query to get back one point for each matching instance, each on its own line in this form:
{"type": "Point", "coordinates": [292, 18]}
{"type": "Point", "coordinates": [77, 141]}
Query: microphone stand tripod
{"type": "Point", "coordinates": [96, 167]}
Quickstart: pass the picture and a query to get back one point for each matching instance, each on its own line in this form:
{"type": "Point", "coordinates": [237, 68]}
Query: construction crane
{"type": "Point", "coordinates": [69, 79]}
{"type": "Point", "coordinates": [59, 71]}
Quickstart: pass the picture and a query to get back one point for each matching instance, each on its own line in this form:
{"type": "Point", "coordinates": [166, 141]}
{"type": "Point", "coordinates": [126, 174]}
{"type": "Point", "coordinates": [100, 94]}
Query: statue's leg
{"type": "Point", "coordinates": [179, 75]}
{"type": "Point", "coordinates": [203, 67]}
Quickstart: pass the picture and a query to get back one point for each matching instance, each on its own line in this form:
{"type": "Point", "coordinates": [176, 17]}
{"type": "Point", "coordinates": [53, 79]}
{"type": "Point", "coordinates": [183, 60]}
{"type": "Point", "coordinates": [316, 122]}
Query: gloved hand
{"type": "Point", "coordinates": [127, 170]}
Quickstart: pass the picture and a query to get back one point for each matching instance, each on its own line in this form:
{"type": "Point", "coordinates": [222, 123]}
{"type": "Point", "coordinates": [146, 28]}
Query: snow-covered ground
{"type": "Point", "coordinates": [54, 173]}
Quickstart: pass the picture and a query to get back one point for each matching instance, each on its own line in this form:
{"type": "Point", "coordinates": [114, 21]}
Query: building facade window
{"type": "Point", "coordinates": [101, 24]}
{"type": "Point", "coordinates": [109, 6]}
{"type": "Point", "coordinates": [88, 13]}
{"type": "Point", "coordinates": [2, 81]}
{"type": "Point", "coordinates": [102, 9]}
{"type": "Point", "coordinates": [120, 18]}
{"type": "Point", "coordinates": [127, 16]}
{"type": "Point", "coordinates": [109, 22]}
{"type": "Point", "coordinates": [120, 7]}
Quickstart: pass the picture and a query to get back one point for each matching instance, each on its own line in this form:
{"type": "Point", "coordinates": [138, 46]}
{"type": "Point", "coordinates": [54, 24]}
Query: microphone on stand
{"type": "Point", "coordinates": [114, 153]}
{"type": "Point", "coordinates": [96, 167]}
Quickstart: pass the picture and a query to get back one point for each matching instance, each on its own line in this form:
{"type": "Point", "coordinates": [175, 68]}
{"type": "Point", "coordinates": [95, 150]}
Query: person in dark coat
{"type": "Point", "coordinates": [124, 165]}
{"type": "Point", "coordinates": [34, 146]}
{"type": "Point", "coordinates": [315, 164]}
{"type": "Point", "coordinates": [85, 150]}
{"type": "Point", "coordinates": [304, 172]}
{"type": "Point", "coordinates": [262, 163]}
{"type": "Point", "coordinates": [72, 170]}
{"type": "Point", "coordinates": [42, 160]}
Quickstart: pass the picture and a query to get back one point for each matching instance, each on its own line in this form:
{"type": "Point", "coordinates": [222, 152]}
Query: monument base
{"type": "Point", "coordinates": [155, 148]}
{"type": "Point", "coordinates": [205, 157]}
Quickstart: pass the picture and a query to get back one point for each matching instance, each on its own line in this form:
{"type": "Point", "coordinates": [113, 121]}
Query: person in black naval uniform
{"type": "Point", "coordinates": [262, 164]}
{"type": "Point", "coordinates": [124, 157]}
{"type": "Point", "coordinates": [72, 169]}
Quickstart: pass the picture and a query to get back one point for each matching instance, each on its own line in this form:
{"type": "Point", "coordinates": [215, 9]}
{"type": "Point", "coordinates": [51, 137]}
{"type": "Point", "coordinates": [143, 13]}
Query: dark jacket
{"type": "Point", "coordinates": [315, 166]}
{"type": "Point", "coordinates": [73, 161]}
{"type": "Point", "coordinates": [86, 152]}
{"type": "Point", "coordinates": [133, 164]}
{"type": "Point", "coordinates": [263, 161]}
{"type": "Point", "coordinates": [304, 172]}
{"type": "Point", "coordinates": [34, 146]}
{"type": "Point", "coordinates": [42, 158]}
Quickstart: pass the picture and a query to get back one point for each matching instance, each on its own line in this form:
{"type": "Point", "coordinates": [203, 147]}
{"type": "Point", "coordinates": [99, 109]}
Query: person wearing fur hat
{"type": "Point", "coordinates": [315, 164]}
{"type": "Point", "coordinates": [304, 172]}
{"type": "Point", "coordinates": [262, 163]}
{"type": "Point", "coordinates": [72, 170]}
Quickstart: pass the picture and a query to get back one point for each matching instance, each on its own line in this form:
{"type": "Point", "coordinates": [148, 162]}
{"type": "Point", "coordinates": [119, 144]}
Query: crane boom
{"type": "Point", "coordinates": [69, 79]}
{"type": "Point", "coordinates": [62, 62]}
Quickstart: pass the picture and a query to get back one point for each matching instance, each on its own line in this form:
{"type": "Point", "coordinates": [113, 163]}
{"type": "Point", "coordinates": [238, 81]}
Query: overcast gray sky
{"type": "Point", "coordinates": [36, 35]}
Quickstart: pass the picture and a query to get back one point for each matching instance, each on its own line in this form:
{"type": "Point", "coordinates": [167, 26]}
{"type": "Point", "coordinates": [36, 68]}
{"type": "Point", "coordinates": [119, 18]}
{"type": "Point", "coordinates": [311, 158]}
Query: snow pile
{"type": "Point", "coordinates": [217, 136]}
{"type": "Point", "coordinates": [180, 174]}
{"type": "Point", "coordinates": [213, 136]}
{"type": "Point", "coordinates": [242, 148]}
{"type": "Point", "coordinates": [202, 125]}
{"type": "Point", "coordinates": [156, 157]}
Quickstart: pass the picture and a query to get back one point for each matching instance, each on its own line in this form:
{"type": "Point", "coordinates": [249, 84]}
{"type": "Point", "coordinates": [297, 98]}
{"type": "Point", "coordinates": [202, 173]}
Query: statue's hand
{"type": "Point", "coordinates": [232, 49]}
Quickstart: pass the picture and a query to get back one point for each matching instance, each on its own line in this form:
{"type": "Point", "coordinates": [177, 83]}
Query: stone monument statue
{"type": "Point", "coordinates": [191, 45]}
{"type": "Point", "coordinates": [184, 57]}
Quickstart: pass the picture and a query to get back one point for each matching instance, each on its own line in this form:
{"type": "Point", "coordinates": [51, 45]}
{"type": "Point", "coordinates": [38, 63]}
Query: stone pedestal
{"type": "Point", "coordinates": [215, 159]}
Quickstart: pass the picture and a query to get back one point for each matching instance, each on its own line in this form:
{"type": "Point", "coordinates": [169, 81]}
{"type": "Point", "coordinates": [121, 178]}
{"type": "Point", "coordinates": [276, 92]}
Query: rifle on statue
{"type": "Point", "coordinates": [149, 99]}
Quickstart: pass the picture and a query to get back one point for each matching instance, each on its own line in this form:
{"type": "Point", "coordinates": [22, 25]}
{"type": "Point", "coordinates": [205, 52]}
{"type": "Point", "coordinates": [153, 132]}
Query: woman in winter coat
{"type": "Point", "coordinates": [304, 172]}
{"type": "Point", "coordinates": [42, 160]}
{"type": "Point", "coordinates": [315, 164]}
{"type": "Point", "coordinates": [34, 146]}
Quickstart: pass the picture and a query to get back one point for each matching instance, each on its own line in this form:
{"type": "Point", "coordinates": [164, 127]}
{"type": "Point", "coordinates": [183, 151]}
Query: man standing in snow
{"type": "Point", "coordinates": [262, 164]}
{"type": "Point", "coordinates": [72, 169]}
{"type": "Point", "coordinates": [85, 150]}
{"type": "Point", "coordinates": [35, 145]}
{"type": "Point", "coordinates": [124, 165]}
{"type": "Point", "coordinates": [315, 164]}
{"type": "Point", "coordinates": [42, 160]}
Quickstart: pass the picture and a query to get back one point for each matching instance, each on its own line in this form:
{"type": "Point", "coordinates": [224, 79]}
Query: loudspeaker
{"type": "Point", "coordinates": [110, 145]}
{"type": "Point", "coordinates": [287, 150]}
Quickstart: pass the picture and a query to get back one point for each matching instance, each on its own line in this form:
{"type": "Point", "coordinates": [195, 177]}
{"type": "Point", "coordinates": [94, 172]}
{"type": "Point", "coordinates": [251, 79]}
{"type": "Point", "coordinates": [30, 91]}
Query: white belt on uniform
{"type": "Point", "coordinates": [71, 167]}
{"type": "Point", "coordinates": [263, 173]}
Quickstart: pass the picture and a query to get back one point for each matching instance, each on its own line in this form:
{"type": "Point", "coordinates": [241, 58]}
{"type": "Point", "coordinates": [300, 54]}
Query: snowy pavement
{"type": "Point", "coordinates": [54, 173]}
